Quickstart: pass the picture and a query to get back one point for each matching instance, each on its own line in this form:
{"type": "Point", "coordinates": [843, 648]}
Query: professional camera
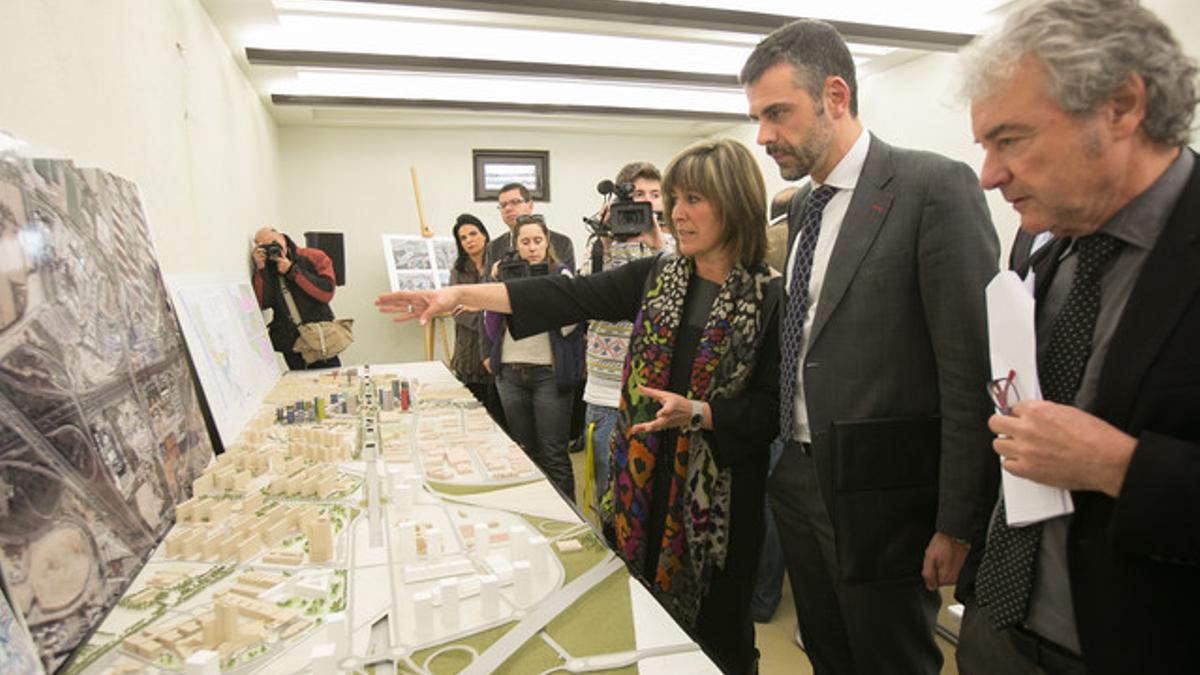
{"type": "Point", "coordinates": [626, 218]}
{"type": "Point", "coordinates": [513, 266]}
{"type": "Point", "coordinates": [272, 250]}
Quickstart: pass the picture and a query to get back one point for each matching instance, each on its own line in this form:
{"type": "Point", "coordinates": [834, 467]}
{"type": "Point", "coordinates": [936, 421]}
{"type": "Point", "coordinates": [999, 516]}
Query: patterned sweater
{"type": "Point", "coordinates": [608, 342]}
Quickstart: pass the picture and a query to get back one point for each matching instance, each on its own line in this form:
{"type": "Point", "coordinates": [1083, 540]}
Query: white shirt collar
{"type": "Point", "coordinates": [845, 174]}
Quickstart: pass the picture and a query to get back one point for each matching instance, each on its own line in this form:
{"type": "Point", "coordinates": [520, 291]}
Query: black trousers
{"type": "Point", "coordinates": [862, 628]}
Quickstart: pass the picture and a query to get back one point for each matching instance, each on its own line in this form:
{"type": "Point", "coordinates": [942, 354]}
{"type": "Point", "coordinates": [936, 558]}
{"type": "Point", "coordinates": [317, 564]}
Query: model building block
{"type": "Point", "coordinates": [248, 548]}
{"type": "Point", "coordinates": [323, 658]}
{"type": "Point", "coordinates": [203, 662]}
{"type": "Point", "coordinates": [336, 631]}
{"type": "Point", "coordinates": [568, 545]}
{"type": "Point", "coordinates": [481, 538]}
{"type": "Point", "coordinates": [203, 484]}
{"type": "Point", "coordinates": [449, 596]}
{"type": "Point", "coordinates": [291, 558]}
{"type": "Point", "coordinates": [263, 580]}
{"type": "Point", "coordinates": [423, 614]}
{"type": "Point", "coordinates": [140, 645]}
{"type": "Point", "coordinates": [320, 540]}
{"type": "Point", "coordinates": [433, 544]}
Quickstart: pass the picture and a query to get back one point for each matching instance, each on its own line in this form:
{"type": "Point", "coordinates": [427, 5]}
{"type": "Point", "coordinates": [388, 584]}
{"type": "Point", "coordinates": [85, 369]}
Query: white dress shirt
{"type": "Point", "coordinates": [843, 177]}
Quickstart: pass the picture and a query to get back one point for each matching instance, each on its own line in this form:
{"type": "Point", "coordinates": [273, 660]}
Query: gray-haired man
{"type": "Point", "coordinates": [1084, 108]}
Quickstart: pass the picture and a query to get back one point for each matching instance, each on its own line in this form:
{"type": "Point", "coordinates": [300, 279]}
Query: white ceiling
{"type": "Point", "coordinates": [561, 64]}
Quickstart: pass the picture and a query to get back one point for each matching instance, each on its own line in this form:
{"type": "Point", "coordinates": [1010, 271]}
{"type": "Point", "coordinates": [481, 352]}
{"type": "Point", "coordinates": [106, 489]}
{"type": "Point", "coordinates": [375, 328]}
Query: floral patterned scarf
{"type": "Point", "coordinates": [696, 532]}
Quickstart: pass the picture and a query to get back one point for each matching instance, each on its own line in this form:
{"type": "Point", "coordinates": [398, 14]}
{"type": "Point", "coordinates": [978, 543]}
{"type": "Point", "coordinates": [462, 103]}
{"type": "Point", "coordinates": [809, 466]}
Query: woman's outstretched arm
{"type": "Point", "coordinates": [426, 304]}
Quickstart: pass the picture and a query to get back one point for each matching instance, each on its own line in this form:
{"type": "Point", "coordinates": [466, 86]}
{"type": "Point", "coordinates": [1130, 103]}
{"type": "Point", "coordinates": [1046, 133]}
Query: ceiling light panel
{"type": "Point", "coordinates": [321, 82]}
{"type": "Point", "coordinates": [419, 38]}
{"type": "Point", "coordinates": [955, 16]}
{"type": "Point", "coordinates": [433, 39]}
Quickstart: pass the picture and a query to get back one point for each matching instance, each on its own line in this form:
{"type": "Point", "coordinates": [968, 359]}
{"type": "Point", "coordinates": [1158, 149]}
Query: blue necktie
{"type": "Point", "coordinates": [1006, 574]}
{"type": "Point", "coordinates": [797, 305]}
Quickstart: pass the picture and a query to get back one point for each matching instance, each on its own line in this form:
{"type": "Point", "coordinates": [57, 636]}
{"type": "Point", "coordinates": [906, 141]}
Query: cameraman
{"type": "Point", "coordinates": [306, 273]}
{"type": "Point", "coordinates": [608, 341]}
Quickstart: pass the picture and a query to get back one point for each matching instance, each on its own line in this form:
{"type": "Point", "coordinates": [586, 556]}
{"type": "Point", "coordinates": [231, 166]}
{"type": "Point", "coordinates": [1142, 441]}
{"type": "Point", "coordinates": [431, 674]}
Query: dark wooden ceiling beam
{"type": "Point", "coordinates": [352, 60]}
{"type": "Point", "coordinates": [499, 107]}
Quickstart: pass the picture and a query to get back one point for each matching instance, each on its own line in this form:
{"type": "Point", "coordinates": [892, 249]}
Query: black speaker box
{"type": "Point", "coordinates": [334, 247]}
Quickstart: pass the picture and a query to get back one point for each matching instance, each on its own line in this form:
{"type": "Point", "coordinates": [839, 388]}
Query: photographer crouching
{"type": "Point", "coordinates": [297, 284]}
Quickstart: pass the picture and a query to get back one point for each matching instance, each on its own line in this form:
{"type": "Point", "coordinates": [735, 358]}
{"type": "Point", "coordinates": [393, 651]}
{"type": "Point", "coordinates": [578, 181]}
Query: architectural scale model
{"type": "Point", "coordinates": [367, 522]}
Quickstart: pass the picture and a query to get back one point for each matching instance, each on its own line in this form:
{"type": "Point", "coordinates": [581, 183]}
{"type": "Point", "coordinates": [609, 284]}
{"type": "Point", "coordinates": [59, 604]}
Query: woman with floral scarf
{"type": "Point", "coordinates": [700, 400]}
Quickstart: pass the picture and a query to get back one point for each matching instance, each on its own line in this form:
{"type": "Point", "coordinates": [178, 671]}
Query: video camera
{"type": "Point", "coordinates": [626, 218]}
{"type": "Point", "coordinates": [513, 266]}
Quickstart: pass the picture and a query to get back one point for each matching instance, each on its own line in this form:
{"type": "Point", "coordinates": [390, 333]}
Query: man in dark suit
{"type": "Point", "coordinates": [884, 481]}
{"type": "Point", "coordinates": [513, 202]}
{"type": "Point", "coordinates": [1024, 245]}
{"type": "Point", "coordinates": [1084, 109]}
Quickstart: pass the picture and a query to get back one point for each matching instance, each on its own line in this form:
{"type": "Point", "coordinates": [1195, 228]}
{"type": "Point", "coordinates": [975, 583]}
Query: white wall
{"type": "Point", "coordinates": [916, 105]}
{"type": "Point", "coordinates": [357, 181]}
{"type": "Point", "coordinates": [148, 90]}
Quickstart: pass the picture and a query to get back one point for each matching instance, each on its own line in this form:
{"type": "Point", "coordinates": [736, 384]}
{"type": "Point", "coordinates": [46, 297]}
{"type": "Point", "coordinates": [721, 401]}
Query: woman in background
{"type": "Point", "coordinates": [700, 401]}
{"type": "Point", "coordinates": [471, 238]}
{"type": "Point", "coordinates": [537, 374]}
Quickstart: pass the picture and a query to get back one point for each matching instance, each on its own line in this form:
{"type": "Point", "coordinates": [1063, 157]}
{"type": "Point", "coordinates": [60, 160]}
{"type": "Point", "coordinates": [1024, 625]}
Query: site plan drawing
{"type": "Point", "coordinates": [230, 349]}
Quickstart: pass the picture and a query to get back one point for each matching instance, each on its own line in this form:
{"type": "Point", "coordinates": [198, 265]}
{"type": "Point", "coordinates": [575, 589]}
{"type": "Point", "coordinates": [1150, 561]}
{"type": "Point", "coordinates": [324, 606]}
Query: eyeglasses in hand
{"type": "Point", "coordinates": [1004, 394]}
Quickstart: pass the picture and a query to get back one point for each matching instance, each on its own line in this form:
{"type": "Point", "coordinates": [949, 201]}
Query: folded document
{"type": "Point", "coordinates": [1012, 341]}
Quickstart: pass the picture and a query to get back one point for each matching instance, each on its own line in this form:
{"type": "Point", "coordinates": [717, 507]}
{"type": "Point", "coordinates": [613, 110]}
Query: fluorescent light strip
{"type": "Point", "coordinates": [319, 82]}
{"type": "Point", "coordinates": [953, 16]}
{"type": "Point", "coordinates": [479, 42]}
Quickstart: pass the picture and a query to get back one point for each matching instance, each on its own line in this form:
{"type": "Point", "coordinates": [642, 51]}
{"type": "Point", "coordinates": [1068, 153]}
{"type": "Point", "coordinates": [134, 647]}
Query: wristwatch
{"type": "Point", "coordinates": [697, 416]}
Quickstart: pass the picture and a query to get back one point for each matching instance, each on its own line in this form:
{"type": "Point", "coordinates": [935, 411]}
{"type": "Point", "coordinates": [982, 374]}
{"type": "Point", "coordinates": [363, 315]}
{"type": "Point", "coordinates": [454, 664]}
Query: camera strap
{"type": "Point", "coordinates": [597, 256]}
{"type": "Point", "coordinates": [291, 302]}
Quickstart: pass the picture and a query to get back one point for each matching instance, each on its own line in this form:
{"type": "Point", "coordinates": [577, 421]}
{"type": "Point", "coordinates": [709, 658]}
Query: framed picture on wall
{"type": "Point", "coordinates": [496, 168]}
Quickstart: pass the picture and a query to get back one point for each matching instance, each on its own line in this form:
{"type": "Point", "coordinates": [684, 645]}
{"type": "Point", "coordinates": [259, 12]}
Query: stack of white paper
{"type": "Point", "coordinates": [1013, 346]}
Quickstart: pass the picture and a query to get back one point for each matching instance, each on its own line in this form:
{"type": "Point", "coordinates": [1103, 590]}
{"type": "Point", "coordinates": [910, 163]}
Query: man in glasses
{"type": "Point", "coordinates": [513, 202]}
{"type": "Point", "coordinates": [1084, 110]}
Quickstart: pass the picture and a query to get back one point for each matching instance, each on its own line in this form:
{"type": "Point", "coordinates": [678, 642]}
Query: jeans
{"type": "Point", "coordinates": [605, 419]}
{"type": "Point", "coordinates": [539, 419]}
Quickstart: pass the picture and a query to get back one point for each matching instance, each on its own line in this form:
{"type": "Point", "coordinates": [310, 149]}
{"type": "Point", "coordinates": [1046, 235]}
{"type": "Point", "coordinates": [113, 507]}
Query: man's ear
{"type": "Point", "coordinates": [1126, 109]}
{"type": "Point", "coordinates": [836, 96]}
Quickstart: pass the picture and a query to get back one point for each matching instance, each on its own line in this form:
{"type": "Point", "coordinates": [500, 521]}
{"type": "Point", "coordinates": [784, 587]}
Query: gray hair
{"type": "Point", "coordinates": [1089, 48]}
{"type": "Point", "coordinates": [814, 48]}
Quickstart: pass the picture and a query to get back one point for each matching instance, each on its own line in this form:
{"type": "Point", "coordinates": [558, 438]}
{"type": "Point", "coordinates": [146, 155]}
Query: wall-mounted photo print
{"type": "Point", "coordinates": [496, 168]}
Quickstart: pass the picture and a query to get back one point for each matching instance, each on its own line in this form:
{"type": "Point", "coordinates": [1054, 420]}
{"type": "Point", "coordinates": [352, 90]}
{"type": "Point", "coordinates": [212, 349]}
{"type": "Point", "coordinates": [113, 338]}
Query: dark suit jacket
{"type": "Point", "coordinates": [1134, 561]}
{"type": "Point", "coordinates": [896, 371]}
